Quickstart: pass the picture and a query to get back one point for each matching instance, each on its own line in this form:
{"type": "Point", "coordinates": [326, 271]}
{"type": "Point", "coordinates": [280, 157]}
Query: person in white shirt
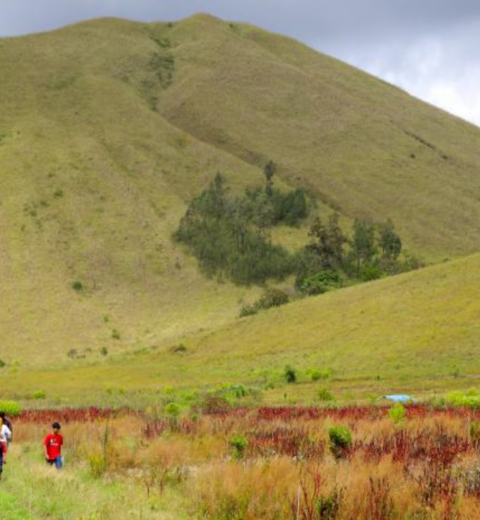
{"type": "Point", "coordinates": [5, 435]}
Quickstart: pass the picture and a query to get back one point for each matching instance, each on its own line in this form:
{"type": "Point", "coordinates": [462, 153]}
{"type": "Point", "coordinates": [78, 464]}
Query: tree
{"type": "Point", "coordinates": [216, 196]}
{"type": "Point", "coordinates": [363, 244]}
{"type": "Point", "coordinates": [337, 240]}
{"type": "Point", "coordinates": [390, 241]}
{"type": "Point", "coordinates": [269, 172]}
{"type": "Point", "coordinates": [328, 242]}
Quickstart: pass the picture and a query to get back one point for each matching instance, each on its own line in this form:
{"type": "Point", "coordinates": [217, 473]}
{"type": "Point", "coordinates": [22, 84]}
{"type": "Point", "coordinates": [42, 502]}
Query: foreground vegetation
{"type": "Point", "coordinates": [249, 463]}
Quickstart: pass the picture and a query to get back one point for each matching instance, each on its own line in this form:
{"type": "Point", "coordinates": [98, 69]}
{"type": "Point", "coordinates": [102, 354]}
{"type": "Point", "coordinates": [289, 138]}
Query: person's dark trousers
{"type": "Point", "coordinates": [58, 462]}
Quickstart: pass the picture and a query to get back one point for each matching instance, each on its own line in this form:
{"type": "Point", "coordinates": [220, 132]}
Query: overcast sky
{"type": "Point", "coordinates": [431, 48]}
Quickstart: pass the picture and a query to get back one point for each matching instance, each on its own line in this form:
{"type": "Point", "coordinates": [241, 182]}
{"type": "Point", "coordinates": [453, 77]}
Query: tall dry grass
{"type": "Point", "coordinates": [426, 467]}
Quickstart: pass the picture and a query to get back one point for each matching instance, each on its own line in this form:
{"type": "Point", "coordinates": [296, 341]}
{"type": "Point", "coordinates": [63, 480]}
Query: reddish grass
{"type": "Point", "coordinates": [426, 467]}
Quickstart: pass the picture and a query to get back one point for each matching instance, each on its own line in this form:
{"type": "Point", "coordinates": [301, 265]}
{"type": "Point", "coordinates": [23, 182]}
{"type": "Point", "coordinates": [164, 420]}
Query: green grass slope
{"type": "Point", "coordinates": [93, 185]}
{"type": "Point", "coordinates": [417, 332]}
{"type": "Point", "coordinates": [367, 148]}
{"type": "Point", "coordinates": [109, 127]}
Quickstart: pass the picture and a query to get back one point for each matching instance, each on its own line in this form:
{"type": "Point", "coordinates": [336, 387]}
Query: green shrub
{"type": "Point", "coordinates": [470, 399]}
{"type": "Point", "coordinates": [270, 298]}
{"type": "Point", "coordinates": [2, 363]}
{"type": "Point", "coordinates": [290, 374]}
{"type": "Point", "coordinates": [239, 444]}
{"type": "Point", "coordinates": [104, 351]}
{"type": "Point", "coordinates": [248, 310]}
{"type": "Point", "coordinates": [11, 408]}
{"type": "Point", "coordinates": [273, 298]}
{"type": "Point", "coordinates": [173, 410]}
{"type": "Point", "coordinates": [321, 282]}
{"type": "Point", "coordinates": [340, 440]}
{"type": "Point", "coordinates": [370, 273]}
{"type": "Point", "coordinates": [397, 413]}
{"type": "Point", "coordinates": [317, 374]}
{"type": "Point", "coordinates": [324, 394]}
{"type": "Point", "coordinates": [39, 394]}
{"type": "Point", "coordinates": [77, 285]}
{"type": "Point", "coordinates": [116, 334]}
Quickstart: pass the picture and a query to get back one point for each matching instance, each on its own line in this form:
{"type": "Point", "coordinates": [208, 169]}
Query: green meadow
{"type": "Point", "coordinates": [415, 332]}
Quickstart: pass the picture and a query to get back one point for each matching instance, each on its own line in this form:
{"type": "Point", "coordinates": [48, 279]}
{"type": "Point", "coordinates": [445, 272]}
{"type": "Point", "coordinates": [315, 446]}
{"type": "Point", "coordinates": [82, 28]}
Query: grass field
{"type": "Point", "coordinates": [32, 491]}
{"type": "Point", "coordinates": [249, 464]}
{"type": "Point", "coordinates": [107, 130]}
{"type": "Point", "coordinates": [416, 332]}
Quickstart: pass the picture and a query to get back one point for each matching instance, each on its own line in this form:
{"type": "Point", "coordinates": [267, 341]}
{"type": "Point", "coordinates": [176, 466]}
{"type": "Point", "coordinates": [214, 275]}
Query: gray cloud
{"type": "Point", "coordinates": [428, 47]}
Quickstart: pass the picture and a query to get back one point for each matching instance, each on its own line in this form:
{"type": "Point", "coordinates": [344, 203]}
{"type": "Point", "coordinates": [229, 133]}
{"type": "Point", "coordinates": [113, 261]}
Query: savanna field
{"type": "Point", "coordinates": [219, 251]}
{"type": "Point", "coordinates": [224, 463]}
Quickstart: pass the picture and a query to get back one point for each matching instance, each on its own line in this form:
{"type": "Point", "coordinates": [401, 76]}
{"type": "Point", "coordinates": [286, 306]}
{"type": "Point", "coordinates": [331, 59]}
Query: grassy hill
{"type": "Point", "coordinates": [416, 332]}
{"type": "Point", "coordinates": [108, 128]}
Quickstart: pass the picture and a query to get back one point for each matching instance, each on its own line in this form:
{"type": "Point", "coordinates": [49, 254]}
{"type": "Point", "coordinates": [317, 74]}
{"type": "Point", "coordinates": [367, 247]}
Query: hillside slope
{"type": "Point", "coordinates": [366, 147]}
{"type": "Point", "coordinates": [93, 185]}
{"type": "Point", "coordinates": [109, 127]}
{"type": "Point", "coordinates": [414, 332]}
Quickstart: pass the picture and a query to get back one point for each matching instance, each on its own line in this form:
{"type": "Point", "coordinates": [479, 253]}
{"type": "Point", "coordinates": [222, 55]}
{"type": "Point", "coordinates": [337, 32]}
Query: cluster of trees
{"type": "Point", "coordinates": [229, 235]}
{"type": "Point", "coordinates": [371, 252]}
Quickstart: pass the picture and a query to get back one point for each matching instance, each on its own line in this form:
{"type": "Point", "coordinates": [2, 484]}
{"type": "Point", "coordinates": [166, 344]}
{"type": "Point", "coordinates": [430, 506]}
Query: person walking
{"type": "Point", "coordinates": [7, 423]}
{"type": "Point", "coordinates": [53, 443]}
{"type": "Point", "coordinates": [5, 435]}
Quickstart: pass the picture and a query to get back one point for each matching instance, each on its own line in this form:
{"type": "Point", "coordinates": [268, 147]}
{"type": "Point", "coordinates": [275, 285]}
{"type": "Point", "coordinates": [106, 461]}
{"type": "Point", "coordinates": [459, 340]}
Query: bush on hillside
{"type": "Point", "coordinates": [324, 394]}
{"type": "Point", "coordinates": [39, 394]}
{"type": "Point", "coordinates": [321, 282]}
{"type": "Point", "coordinates": [270, 298]}
{"type": "Point", "coordinates": [317, 374]}
{"type": "Point", "coordinates": [371, 272]}
{"type": "Point", "coordinates": [290, 374]}
{"type": "Point", "coordinates": [77, 285]}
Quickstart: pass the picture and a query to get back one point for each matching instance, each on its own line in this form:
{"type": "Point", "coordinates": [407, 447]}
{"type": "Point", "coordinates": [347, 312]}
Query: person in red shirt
{"type": "Point", "coordinates": [53, 446]}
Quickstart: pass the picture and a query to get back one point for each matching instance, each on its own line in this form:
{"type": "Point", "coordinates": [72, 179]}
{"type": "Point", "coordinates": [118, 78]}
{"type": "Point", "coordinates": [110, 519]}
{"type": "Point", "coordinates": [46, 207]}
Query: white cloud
{"type": "Point", "coordinates": [443, 72]}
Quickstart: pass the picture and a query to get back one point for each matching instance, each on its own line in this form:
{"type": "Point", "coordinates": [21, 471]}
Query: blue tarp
{"type": "Point", "coordinates": [400, 398]}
